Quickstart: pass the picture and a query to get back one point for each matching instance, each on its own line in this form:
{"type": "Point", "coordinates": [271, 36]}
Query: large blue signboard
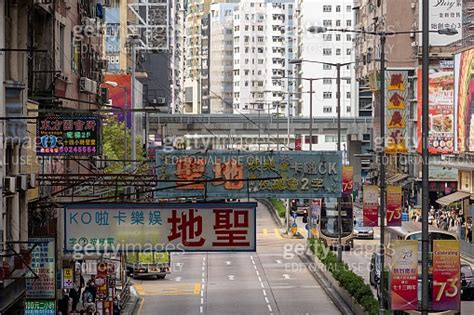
{"type": "Point", "coordinates": [234, 174]}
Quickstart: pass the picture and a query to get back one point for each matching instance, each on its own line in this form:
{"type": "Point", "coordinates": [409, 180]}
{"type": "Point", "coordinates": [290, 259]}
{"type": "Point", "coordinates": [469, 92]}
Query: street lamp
{"type": "Point", "coordinates": [425, 154]}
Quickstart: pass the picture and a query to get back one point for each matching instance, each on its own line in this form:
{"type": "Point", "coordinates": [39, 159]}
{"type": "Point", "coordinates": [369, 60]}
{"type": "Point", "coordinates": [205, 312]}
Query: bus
{"type": "Point", "coordinates": [412, 231]}
{"type": "Point", "coordinates": [327, 222]}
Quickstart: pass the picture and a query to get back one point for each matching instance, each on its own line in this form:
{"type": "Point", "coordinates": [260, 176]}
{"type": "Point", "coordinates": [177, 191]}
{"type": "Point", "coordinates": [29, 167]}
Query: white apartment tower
{"type": "Point", "coordinates": [263, 47]}
{"type": "Point", "coordinates": [331, 47]}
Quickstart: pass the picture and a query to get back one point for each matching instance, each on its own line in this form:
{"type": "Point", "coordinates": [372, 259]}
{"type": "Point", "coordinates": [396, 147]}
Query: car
{"type": "Point", "coordinates": [375, 269]}
{"type": "Point", "coordinates": [300, 206]}
{"type": "Point", "coordinates": [363, 232]}
{"type": "Point", "coordinates": [467, 282]}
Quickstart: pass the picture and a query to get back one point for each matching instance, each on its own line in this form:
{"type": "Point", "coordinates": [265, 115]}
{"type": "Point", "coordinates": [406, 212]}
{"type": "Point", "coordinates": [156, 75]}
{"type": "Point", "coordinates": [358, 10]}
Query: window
{"type": "Point", "coordinates": [327, 95]}
{"type": "Point", "coordinates": [348, 94]}
{"type": "Point", "coordinates": [348, 51]}
{"type": "Point", "coordinates": [327, 52]}
{"type": "Point", "coordinates": [338, 37]}
{"type": "Point", "coordinates": [236, 49]}
{"type": "Point", "coordinates": [327, 109]}
{"type": "Point", "coordinates": [260, 61]}
{"type": "Point", "coordinates": [327, 67]}
{"type": "Point", "coordinates": [327, 37]}
{"type": "Point", "coordinates": [348, 8]}
{"type": "Point", "coordinates": [338, 8]}
{"type": "Point", "coordinates": [236, 28]}
{"type": "Point", "coordinates": [349, 23]}
{"type": "Point", "coordinates": [348, 37]}
{"type": "Point", "coordinates": [260, 39]}
{"type": "Point", "coordinates": [327, 81]}
{"type": "Point", "coordinates": [260, 27]}
{"type": "Point", "coordinates": [348, 109]}
{"type": "Point", "coordinates": [330, 138]}
{"type": "Point", "coordinates": [327, 22]}
{"type": "Point", "coordinates": [327, 8]}
{"type": "Point", "coordinates": [338, 51]}
{"type": "Point", "coordinates": [338, 22]}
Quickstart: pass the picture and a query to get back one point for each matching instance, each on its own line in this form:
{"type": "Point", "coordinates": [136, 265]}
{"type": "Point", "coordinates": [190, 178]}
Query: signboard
{"type": "Point", "coordinates": [347, 180]}
{"type": "Point", "coordinates": [227, 174]}
{"type": "Point", "coordinates": [443, 14]}
{"type": "Point", "coordinates": [160, 227]}
{"type": "Point", "coordinates": [68, 278]}
{"type": "Point", "coordinates": [315, 214]}
{"type": "Point", "coordinates": [68, 135]}
{"type": "Point", "coordinates": [463, 95]}
{"type": "Point", "coordinates": [101, 280]}
{"type": "Point", "coordinates": [371, 205]}
{"type": "Point", "coordinates": [404, 275]}
{"type": "Point", "coordinates": [43, 264]}
{"type": "Point", "coordinates": [446, 275]}
{"type": "Point", "coordinates": [40, 307]}
{"type": "Point", "coordinates": [396, 111]}
{"type": "Point", "coordinates": [441, 112]}
{"type": "Point", "coordinates": [394, 205]}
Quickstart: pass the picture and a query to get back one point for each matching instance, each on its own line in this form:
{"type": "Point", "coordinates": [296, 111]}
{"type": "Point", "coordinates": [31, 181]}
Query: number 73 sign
{"type": "Point", "coordinates": [394, 206]}
{"type": "Point", "coordinates": [446, 275]}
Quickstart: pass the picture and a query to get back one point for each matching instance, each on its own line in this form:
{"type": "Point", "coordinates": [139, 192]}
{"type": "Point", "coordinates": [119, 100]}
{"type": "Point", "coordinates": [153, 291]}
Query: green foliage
{"type": "Point", "coordinates": [117, 143]}
{"type": "Point", "coordinates": [353, 283]}
{"type": "Point", "coordinates": [279, 206]}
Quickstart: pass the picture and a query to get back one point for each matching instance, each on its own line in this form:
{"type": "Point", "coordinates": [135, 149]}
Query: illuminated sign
{"type": "Point", "coordinates": [40, 307]}
{"type": "Point", "coordinates": [227, 174]}
{"type": "Point", "coordinates": [43, 264]}
{"type": "Point", "coordinates": [68, 135]}
{"type": "Point", "coordinates": [160, 227]}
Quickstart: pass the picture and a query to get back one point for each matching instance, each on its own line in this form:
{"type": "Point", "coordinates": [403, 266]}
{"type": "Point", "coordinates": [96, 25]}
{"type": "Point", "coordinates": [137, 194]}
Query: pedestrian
{"type": "Point", "coordinates": [63, 304]}
{"type": "Point", "coordinates": [74, 295]}
{"type": "Point", "coordinates": [469, 232]}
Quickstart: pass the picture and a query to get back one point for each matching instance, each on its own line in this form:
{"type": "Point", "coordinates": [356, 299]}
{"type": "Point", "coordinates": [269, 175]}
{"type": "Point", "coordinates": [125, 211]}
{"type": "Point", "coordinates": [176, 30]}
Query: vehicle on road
{"type": "Point", "coordinates": [467, 282]}
{"type": "Point", "coordinates": [328, 223]}
{"type": "Point", "coordinates": [375, 269]}
{"type": "Point", "coordinates": [300, 206]}
{"type": "Point", "coordinates": [148, 265]}
{"type": "Point", "coordinates": [361, 231]}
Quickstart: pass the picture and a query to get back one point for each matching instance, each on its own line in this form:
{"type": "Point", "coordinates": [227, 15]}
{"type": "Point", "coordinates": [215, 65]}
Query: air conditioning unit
{"type": "Point", "coordinates": [22, 182]}
{"type": "Point", "coordinates": [87, 85]}
{"type": "Point", "coordinates": [32, 181]}
{"type": "Point", "coordinates": [42, 1]}
{"type": "Point", "coordinates": [10, 185]}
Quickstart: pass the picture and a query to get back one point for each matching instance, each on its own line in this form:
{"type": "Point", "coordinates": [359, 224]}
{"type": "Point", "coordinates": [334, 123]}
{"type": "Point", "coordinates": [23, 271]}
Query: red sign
{"type": "Point", "coordinates": [446, 275]}
{"type": "Point", "coordinates": [101, 280]}
{"type": "Point", "coordinates": [371, 205]}
{"type": "Point", "coordinates": [347, 180]}
{"type": "Point", "coordinates": [404, 275]}
{"type": "Point", "coordinates": [394, 206]}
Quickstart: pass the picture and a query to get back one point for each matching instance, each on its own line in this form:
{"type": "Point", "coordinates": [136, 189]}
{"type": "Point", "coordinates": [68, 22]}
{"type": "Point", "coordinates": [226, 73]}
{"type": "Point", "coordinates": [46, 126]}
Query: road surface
{"type": "Point", "coordinates": [271, 281]}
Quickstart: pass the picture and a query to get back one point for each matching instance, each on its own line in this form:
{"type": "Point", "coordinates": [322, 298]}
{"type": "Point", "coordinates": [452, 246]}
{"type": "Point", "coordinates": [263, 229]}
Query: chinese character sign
{"type": "Point", "coordinates": [441, 112]}
{"type": "Point", "coordinates": [394, 205]}
{"type": "Point", "coordinates": [42, 263]}
{"type": "Point", "coordinates": [371, 205]}
{"type": "Point", "coordinates": [446, 275]}
{"type": "Point", "coordinates": [68, 135]}
{"type": "Point", "coordinates": [347, 179]}
{"type": "Point", "coordinates": [396, 111]}
{"type": "Point", "coordinates": [160, 227]}
{"type": "Point", "coordinates": [443, 14]}
{"type": "Point", "coordinates": [40, 307]}
{"type": "Point", "coordinates": [404, 275]}
{"type": "Point", "coordinates": [226, 174]}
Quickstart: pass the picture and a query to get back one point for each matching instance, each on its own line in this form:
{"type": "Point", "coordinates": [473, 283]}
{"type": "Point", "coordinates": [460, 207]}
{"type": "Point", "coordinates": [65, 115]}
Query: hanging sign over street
{"type": "Point", "coordinates": [160, 227]}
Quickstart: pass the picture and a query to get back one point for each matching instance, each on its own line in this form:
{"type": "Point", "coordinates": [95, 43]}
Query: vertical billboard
{"type": "Point", "coordinates": [371, 205]}
{"type": "Point", "coordinates": [394, 205]}
{"type": "Point", "coordinates": [404, 275]}
{"type": "Point", "coordinates": [43, 265]}
{"type": "Point", "coordinates": [347, 180]}
{"type": "Point", "coordinates": [446, 275]}
{"type": "Point", "coordinates": [120, 95]}
{"type": "Point", "coordinates": [441, 112]}
{"type": "Point", "coordinates": [396, 111]}
{"type": "Point", "coordinates": [464, 101]}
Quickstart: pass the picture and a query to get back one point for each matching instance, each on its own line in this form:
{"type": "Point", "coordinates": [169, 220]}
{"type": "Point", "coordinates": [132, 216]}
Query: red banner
{"type": "Point", "coordinates": [347, 180]}
{"type": "Point", "coordinates": [101, 280]}
{"type": "Point", "coordinates": [404, 275]}
{"type": "Point", "coordinates": [446, 275]}
{"type": "Point", "coordinates": [371, 205]}
{"type": "Point", "coordinates": [394, 206]}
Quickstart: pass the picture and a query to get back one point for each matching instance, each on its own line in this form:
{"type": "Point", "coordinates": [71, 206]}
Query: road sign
{"type": "Point", "coordinates": [294, 215]}
{"type": "Point", "coordinates": [306, 227]}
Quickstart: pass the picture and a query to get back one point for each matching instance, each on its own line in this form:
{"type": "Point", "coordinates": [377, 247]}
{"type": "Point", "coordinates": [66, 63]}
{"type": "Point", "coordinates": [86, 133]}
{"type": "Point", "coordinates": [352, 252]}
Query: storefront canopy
{"type": "Point", "coordinates": [396, 178]}
{"type": "Point", "coordinates": [456, 196]}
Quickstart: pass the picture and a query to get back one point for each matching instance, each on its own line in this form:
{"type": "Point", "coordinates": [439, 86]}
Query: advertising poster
{"type": "Point", "coordinates": [40, 307]}
{"type": "Point", "coordinates": [443, 14]}
{"type": "Point", "coordinates": [315, 214]}
{"type": "Point", "coordinates": [446, 275]}
{"type": "Point", "coordinates": [68, 135]}
{"type": "Point", "coordinates": [231, 175]}
{"type": "Point", "coordinates": [396, 111]}
{"type": "Point", "coordinates": [101, 280]}
{"type": "Point", "coordinates": [404, 275]}
{"type": "Point", "coordinates": [394, 205]}
{"type": "Point", "coordinates": [371, 205]}
{"type": "Point", "coordinates": [160, 227]}
{"type": "Point", "coordinates": [68, 278]}
{"type": "Point", "coordinates": [464, 101]}
{"type": "Point", "coordinates": [347, 180]}
{"type": "Point", "coordinates": [441, 112]}
{"type": "Point", "coordinates": [43, 264]}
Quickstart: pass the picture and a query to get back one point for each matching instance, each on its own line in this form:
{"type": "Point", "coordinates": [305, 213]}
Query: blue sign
{"type": "Point", "coordinates": [306, 227]}
{"type": "Point", "coordinates": [234, 174]}
{"type": "Point", "coordinates": [40, 307]}
{"type": "Point", "coordinates": [294, 215]}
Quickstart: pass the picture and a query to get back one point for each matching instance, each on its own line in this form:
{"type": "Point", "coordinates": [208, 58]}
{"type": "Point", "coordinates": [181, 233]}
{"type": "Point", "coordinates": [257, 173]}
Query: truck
{"type": "Point", "coordinates": [148, 264]}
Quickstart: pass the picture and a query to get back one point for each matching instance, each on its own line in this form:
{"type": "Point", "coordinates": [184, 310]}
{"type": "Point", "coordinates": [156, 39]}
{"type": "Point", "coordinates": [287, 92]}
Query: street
{"type": "Point", "coordinates": [271, 281]}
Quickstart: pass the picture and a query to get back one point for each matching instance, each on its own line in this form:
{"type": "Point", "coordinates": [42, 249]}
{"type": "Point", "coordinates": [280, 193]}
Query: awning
{"type": "Point", "coordinates": [456, 196]}
{"type": "Point", "coordinates": [396, 178]}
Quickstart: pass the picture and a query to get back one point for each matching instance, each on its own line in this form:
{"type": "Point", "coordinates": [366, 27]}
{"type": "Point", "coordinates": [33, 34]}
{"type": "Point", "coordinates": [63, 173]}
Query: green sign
{"type": "Point", "coordinates": [40, 307]}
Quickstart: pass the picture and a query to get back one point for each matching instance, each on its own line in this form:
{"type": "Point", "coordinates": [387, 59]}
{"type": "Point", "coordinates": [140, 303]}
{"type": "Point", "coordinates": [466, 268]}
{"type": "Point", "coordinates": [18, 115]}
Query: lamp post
{"type": "Point", "coordinates": [425, 185]}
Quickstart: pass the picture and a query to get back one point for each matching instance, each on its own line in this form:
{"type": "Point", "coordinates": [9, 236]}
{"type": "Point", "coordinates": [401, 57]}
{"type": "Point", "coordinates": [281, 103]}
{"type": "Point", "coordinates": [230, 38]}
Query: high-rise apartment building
{"type": "Point", "coordinates": [263, 47]}
{"type": "Point", "coordinates": [330, 47]}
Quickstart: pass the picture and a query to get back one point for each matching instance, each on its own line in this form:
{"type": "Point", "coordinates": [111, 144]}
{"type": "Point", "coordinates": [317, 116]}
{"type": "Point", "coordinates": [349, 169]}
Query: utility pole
{"type": "Point", "coordinates": [311, 115]}
{"type": "Point", "coordinates": [339, 218]}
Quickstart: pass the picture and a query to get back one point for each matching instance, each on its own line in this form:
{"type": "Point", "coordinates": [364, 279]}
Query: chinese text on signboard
{"type": "Point", "coordinates": [42, 263]}
{"type": "Point", "coordinates": [160, 227]}
{"type": "Point", "coordinates": [371, 205]}
{"type": "Point", "coordinates": [396, 111]}
{"type": "Point", "coordinates": [394, 205]}
{"type": "Point", "coordinates": [68, 135]}
{"type": "Point", "coordinates": [225, 174]}
{"type": "Point", "coordinates": [404, 275]}
{"type": "Point", "coordinates": [40, 307]}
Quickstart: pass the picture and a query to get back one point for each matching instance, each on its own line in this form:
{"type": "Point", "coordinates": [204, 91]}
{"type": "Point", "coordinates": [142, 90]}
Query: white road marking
{"type": "Point", "coordinates": [255, 267]}
{"type": "Point", "coordinates": [259, 279]}
{"type": "Point", "coordinates": [266, 300]}
{"type": "Point", "coordinates": [203, 281]}
{"type": "Point", "coordinates": [202, 293]}
{"type": "Point", "coordinates": [201, 309]}
{"type": "Point", "coordinates": [258, 273]}
{"type": "Point", "coordinates": [204, 258]}
{"type": "Point", "coordinates": [269, 308]}
{"type": "Point", "coordinates": [286, 276]}
{"type": "Point", "coordinates": [202, 287]}
{"type": "Point", "coordinates": [202, 301]}
{"type": "Point", "coordinates": [231, 277]}
{"type": "Point", "coordinates": [178, 278]}
{"type": "Point", "coordinates": [261, 284]}
{"type": "Point", "coordinates": [228, 262]}
{"type": "Point", "coordinates": [203, 274]}
{"type": "Point", "coordinates": [203, 268]}
{"type": "Point", "coordinates": [278, 261]}
{"type": "Point", "coordinates": [264, 293]}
